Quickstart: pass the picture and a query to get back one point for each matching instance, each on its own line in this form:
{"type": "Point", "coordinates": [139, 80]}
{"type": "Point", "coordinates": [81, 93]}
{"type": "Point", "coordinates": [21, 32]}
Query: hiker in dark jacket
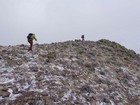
{"type": "Point", "coordinates": [30, 39]}
{"type": "Point", "coordinates": [83, 37]}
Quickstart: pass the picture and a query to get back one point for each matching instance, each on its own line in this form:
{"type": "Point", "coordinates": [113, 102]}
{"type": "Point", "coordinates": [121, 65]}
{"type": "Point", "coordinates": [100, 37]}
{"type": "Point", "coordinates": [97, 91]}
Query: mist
{"type": "Point", "coordinates": [55, 21]}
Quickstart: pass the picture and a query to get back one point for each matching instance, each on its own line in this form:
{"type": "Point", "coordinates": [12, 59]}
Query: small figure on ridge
{"type": "Point", "coordinates": [83, 37]}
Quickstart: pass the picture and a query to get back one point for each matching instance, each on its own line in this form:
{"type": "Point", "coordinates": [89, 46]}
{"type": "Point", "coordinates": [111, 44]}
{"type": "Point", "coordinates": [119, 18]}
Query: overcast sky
{"type": "Point", "coordinates": [62, 20]}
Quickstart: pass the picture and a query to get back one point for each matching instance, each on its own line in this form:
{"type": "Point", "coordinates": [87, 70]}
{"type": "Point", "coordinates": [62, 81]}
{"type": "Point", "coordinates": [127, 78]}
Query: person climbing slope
{"type": "Point", "coordinates": [30, 39]}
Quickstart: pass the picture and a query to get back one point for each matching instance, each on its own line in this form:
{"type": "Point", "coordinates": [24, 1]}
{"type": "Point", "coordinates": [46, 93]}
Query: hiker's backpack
{"type": "Point", "coordinates": [29, 35]}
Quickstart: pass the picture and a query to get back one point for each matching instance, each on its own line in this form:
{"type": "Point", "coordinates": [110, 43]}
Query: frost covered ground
{"type": "Point", "coordinates": [69, 73]}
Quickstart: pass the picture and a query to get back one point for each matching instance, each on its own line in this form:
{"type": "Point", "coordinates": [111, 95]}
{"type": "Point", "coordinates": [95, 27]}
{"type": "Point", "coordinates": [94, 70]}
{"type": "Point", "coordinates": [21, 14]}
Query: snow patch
{"type": "Point", "coordinates": [58, 67]}
{"type": "Point", "coordinates": [4, 80]}
{"type": "Point", "coordinates": [12, 96]}
{"type": "Point", "coordinates": [6, 69]}
{"type": "Point", "coordinates": [67, 95]}
{"type": "Point", "coordinates": [125, 69]}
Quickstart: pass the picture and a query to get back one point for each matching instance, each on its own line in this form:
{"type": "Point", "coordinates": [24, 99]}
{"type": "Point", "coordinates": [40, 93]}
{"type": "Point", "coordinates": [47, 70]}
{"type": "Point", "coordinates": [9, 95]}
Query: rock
{"type": "Point", "coordinates": [15, 90]}
{"type": "Point", "coordinates": [4, 94]}
{"type": "Point", "coordinates": [40, 103]}
{"type": "Point", "coordinates": [86, 89]}
{"type": "Point", "coordinates": [35, 69]}
{"type": "Point", "coordinates": [3, 88]}
{"type": "Point", "coordinates": [22, 45]}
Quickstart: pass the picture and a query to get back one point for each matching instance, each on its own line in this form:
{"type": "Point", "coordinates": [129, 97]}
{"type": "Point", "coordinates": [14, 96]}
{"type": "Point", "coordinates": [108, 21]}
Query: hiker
{"type": "Point", "coordinates": [83, 37]}
{"type": "Point", "coordinates": [30, 39]}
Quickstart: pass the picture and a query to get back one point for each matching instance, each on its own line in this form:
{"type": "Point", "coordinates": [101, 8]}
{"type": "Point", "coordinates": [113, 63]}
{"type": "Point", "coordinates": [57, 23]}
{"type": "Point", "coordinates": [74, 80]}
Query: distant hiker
{"type": "Point", "coordinates": [83, 37]}
{"type": "Point", "coordinates": [30, 39]}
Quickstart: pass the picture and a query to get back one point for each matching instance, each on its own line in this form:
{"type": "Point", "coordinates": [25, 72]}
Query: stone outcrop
{"type": "Point", "coordinates": [70, 73]}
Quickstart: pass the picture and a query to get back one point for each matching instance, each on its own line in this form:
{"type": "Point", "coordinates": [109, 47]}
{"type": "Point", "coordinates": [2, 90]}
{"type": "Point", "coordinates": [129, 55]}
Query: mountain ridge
{"type": "Point", "coordinates": [72, 72]}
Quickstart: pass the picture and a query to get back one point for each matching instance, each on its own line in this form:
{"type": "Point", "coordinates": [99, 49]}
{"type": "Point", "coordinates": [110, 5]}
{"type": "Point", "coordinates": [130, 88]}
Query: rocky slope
{"type": "Point", "coordinates": [70, 73]}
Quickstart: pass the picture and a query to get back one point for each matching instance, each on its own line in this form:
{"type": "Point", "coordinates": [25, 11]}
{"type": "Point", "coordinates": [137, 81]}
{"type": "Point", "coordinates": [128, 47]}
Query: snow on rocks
{"type": "Point", "coordinates": [69, 73]}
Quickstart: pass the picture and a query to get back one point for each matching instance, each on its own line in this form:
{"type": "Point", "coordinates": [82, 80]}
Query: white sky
{"type": "Point", "coordinates": [62, 20]}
